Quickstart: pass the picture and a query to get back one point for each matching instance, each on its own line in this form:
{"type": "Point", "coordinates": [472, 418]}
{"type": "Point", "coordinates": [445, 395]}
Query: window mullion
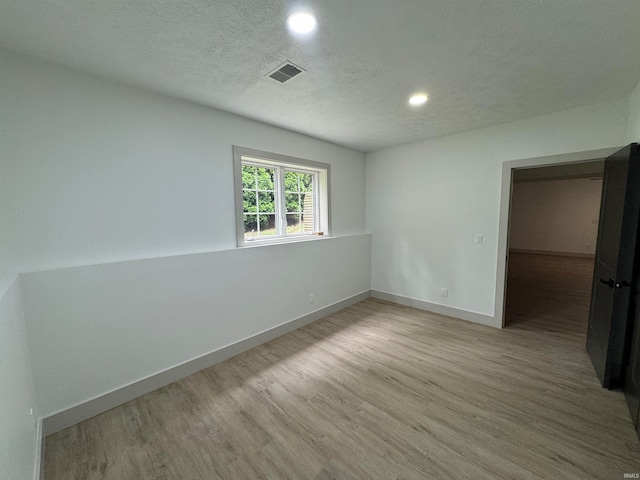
{"type": "Point", "coordinates": [281, 204]}
{"type": "Point", "coordinates": [257, 202]}
{"type": "Point", "coordinates": [316, 203]}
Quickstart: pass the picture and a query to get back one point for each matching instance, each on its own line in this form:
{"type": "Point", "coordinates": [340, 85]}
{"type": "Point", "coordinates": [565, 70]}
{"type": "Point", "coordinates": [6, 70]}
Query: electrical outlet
{"type": "Point", "coordinates": [479, 238]}
{"type": "Point", "coordinates": [444, 292]}
{"type": "Point", "coordinates": [312, 298]}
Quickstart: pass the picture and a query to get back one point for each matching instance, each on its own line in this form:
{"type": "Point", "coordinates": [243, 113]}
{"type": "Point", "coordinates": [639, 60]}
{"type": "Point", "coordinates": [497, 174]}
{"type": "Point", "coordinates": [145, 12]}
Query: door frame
{"type": "Point", "coordinates": [505, 211]}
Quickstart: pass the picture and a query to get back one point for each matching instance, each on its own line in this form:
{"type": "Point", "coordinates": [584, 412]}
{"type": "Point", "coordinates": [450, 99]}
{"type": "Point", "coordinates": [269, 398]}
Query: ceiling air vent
{"type": "Point", "coordinates": [285, 72]}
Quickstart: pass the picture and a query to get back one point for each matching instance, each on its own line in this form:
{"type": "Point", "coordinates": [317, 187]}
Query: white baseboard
{"type": "Point", "coordinates": [82, 411]}
{"type": "Point", "coordinates": [459, 313]}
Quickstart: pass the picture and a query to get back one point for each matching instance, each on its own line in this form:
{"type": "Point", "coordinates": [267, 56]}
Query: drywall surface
{"type": "Point", "coordinates": [556, 215]}
{"type": "Point", "coordinates": [633, 130]}
{"type": "Point", "coordinates": [427, 201]}
{"type": "Point", "coordinates": [18, 427]}
{"type": "Point", "coordinates": [97, 328]}
{"type": "Point", "coordinates": [6, 281]}
{"type": "Point", "coordinates": [94, 171]}
{"type": "Point", "coordinates": [123, 201]}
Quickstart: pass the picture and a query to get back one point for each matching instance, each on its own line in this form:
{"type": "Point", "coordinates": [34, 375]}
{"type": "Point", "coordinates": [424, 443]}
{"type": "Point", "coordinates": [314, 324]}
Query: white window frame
{"type": "Point", "coordinates": [321, 172]}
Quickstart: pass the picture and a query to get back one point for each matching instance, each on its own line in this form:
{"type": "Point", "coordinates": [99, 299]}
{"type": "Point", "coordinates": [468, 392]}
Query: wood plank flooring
{"type": "Point", "coordinates": [549, 293]}
{"type": "Point", "coordinates": [376, 391]}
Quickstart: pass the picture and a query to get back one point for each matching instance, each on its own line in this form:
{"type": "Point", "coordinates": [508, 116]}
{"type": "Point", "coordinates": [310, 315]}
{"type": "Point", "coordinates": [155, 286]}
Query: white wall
{"type": "Point", "coordinates": [94, 171]}
{"type": "Point", "coordinates": [427, 200]}
{"type": "Point", "coordinates": [633, 130]}
{"type": "Point", "coordinates": [98, 173]}
{"type": "Point", "coordinates": [555, 215]}
{"type": "Point", "coordinates": [19, 446]}
{"type": "Point", "coordinates": [97, 328]}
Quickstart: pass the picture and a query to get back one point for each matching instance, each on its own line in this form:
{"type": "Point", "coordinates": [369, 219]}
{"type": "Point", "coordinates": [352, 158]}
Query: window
{"type": "Point", "coordinates": [278, 197]}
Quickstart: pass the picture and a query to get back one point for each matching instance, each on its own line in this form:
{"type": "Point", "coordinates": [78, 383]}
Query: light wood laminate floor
{"type": "Point", "coordinates": [377, 391]}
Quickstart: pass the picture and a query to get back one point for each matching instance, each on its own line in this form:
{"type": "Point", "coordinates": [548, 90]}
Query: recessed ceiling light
{"type": "Point", "coordinates": [418, 99]}
{"type": "Point", "coordinates": [302, 22]}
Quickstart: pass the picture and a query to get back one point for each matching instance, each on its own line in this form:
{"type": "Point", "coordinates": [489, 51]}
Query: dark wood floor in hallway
{"type": "Point", "coordinates": [380, 391]}
{"type": "Point", "coordinates": [549, 293]}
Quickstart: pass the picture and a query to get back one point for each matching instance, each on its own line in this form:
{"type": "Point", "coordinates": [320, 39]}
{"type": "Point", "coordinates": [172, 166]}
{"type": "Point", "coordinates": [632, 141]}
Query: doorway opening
{"type": "Point", "coordinates": [508, 167]}
{"type": "Point", "coordinates": [553, 227]}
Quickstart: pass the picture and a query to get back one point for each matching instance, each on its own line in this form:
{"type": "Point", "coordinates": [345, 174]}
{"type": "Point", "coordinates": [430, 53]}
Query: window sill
{"type": "Point", "coordinates": [282, 240]}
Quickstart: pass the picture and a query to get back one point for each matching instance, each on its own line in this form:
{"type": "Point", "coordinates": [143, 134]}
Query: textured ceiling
{"type": "Point", "coordinates": [483, 62]}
